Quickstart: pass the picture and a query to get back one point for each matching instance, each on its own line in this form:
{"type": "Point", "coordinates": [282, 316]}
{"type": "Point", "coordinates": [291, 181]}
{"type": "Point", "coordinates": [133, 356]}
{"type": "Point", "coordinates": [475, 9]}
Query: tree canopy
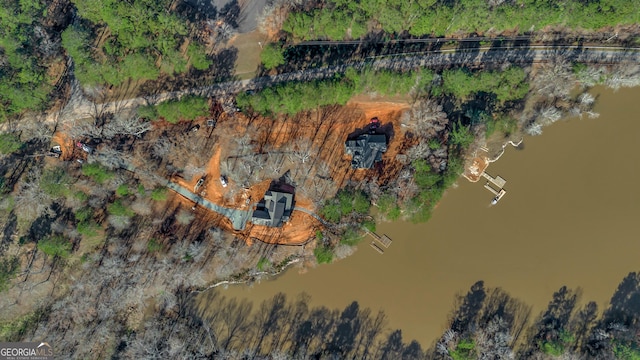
{"type": "Point", "coordinates": [339, 19]}
{"type": "Point", "coordinates": [23, 81]}
{"type": "Point", "coordinates": [137, 40]}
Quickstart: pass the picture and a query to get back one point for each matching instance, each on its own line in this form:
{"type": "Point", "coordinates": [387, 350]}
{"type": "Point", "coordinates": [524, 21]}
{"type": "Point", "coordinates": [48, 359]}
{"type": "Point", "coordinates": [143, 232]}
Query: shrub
{"type": "Point", "coordinates": [361, 203]}
{"type": "Point", "coordinates": [56, 246]}
{"type": "Point", "coordinates": [461, 135]}
{"type": "Point", "coordinates": [123, 190]}
{"type": "Point", "coordinates": [118, 209]}
{"type": "Point", "coordinates": [153, 245]}
{"type": "Point", "coordinates": [272, 56]}
{"type": "Point", "coordinates": [434, 144]}
{"type": "Point", "coordinates": [88, 228]}
{"type": "Point", "coordinates": [55, 182]}
{"type": "Point", "coordinates": [198, 57]}
{"type": "Point", "coordinates": [187, 108]}
{"type": "Point", "coordinates": [83, 214]}
{"type": "Point", "coordinates": [9, 143]}
{"type": "Point", "coordinates": [98, 173]}
{"type": "Point", "coordinates": [394, 213]}
{"type": "Point", "coordinates": [263, 263]}
{"type": "Point", "coordinates": [331, 212]}
{"type": "Point", "coordinates": [370, 225]}
{"type": "Point", "coordinates": [324, 254]}
{"type": "Point", "coordinates": [80, 195]}
{"type": "Point", "coordinates": [159, 194]}
{"type": "Point", "coordinates": [8, 269]}
{"type": "Point", "coordinates": [350, 237]}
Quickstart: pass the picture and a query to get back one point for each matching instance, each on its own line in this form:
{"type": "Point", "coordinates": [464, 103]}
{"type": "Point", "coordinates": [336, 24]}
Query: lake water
{"type": "Point", "coordinates": [570, 217]}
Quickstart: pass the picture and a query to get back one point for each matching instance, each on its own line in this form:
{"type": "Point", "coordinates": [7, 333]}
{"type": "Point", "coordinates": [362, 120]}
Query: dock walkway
{"type": "Point", "coordinates": [498, 182]}
{"type": "Point", "coordinates": [383, 240]}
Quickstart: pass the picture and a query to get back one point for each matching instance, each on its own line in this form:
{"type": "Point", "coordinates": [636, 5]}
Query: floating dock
{"type": "Point", "coordinates": [376, 247]}
{"type": "Point", "coordinates": [497, 182]}
{"type": "Point", "coordinates": [383, 240]}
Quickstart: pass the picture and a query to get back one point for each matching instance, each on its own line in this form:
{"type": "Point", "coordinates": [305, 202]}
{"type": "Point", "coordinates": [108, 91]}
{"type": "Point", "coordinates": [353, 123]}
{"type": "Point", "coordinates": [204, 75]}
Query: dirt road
{"type": "Point", "coordinates": [81, 108]}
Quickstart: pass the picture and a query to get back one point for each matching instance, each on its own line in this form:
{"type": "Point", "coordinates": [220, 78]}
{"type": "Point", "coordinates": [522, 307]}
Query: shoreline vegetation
{"type": "Point", "coordinates": [92, 234]}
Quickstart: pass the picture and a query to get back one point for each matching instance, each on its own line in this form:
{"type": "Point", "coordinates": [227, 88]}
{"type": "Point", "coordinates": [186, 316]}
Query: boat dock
{"type": "Point", "coordinates": [379, 241]}
{"type": "Point", "coordinates": [498, 182]}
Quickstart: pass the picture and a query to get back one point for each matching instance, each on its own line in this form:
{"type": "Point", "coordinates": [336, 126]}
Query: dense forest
{"type": "Point", "coordinates": [341, 19]}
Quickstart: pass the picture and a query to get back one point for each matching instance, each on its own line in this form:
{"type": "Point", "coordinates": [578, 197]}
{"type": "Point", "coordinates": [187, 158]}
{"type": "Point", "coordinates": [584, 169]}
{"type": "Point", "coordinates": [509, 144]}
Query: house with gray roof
{"type": "Point", "coordinates": [274, 209]}
{"type": "Point", "coordinates": [366, 150]}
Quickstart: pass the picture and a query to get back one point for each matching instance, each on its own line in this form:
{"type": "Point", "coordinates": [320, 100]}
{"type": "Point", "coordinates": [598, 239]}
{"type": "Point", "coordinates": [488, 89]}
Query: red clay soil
{"type": "Point", "coordinates": [474, 171]}
{"type": "Point", "coordinates": [69, 150]}
{"type": "Point", "coordinates": [327, 129]}
{"type": "Point", "coordinates": [300, 228]}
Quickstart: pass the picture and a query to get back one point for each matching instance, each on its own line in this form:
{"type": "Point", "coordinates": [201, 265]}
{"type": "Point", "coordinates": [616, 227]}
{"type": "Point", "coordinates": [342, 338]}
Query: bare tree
{"type": "Point", "coordinates": [302, 150]}
{"type": "Point", "coordinates": [555, 78]}
{"type": "Point", "coordinates": [274, 14]}
{"type": "Point", "coordinates": [184, 217]}
{"type": "Point", "coordinates": [623, 75]}
{"type": "Point", "coordinates": [427, 118]}
{"type": "Point", "coordinates": [122, 124]}
{"type": "Point", "coordinates": [418, 151]}
{"type": "Point", "coordinates": [533, 129]}
{"type": "Point", "coordinates": [31, 200]}
{"type": "Point", "coordinates": [548, 115]}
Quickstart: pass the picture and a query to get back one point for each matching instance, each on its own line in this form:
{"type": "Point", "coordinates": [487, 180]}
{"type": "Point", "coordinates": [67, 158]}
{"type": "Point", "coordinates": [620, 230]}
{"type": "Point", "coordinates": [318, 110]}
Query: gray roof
{"type": "Point", "coordinates": [274, 209]}
{"type": "Point", "coordinates": [366, 149]}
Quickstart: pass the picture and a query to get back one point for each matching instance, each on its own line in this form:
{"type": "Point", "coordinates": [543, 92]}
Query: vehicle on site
{"type": "Point", "coordinates": [223, 181]}
{"type": "Point", "coordinates": [86, 148]}
{"type": "Point", "coordinates": [374, 124]}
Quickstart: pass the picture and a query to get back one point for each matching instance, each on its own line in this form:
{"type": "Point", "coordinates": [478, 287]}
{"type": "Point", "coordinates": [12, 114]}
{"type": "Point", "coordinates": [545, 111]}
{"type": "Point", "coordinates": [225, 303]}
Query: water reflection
{"type": "Point", "coordinates": [568, 220]}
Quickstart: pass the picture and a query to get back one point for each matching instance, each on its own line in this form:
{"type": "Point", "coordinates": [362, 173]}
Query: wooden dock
{"type": "Point", "coordinates": [497, 182]}
{"type": "Point", "coordinates": [376, 247]}
{"type": "Point", "coordinates": [383, 240]}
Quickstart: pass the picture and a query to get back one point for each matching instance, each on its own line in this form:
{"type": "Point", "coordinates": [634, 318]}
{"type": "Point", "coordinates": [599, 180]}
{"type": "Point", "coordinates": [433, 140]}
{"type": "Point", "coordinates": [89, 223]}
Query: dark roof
{"type": "Point", "coordinates": [274, 209]}
{"type": "Point", "coordinates": [366, 149]}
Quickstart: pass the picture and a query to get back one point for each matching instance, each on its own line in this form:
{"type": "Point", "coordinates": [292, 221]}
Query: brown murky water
{"type": "Point", "coordinates": [570, 217]}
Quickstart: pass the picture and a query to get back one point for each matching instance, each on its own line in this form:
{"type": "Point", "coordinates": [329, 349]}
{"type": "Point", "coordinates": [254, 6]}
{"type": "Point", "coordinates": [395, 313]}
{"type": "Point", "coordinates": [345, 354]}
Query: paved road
{"type": "Point", "coordinates": [80, 108]}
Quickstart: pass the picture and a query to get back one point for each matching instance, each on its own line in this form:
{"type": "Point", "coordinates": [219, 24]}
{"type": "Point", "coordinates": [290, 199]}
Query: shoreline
{"type": "Point", "coordinates": [473, 173]}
